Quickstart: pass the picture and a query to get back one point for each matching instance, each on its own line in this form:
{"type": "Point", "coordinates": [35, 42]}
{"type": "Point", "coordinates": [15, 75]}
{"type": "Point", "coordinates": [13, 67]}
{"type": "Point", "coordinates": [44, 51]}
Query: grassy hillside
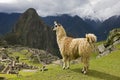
{"type": "Point", "coordinates": [104, 68]}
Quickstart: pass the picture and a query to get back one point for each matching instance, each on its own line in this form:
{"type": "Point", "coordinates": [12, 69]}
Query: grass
{"type": "Point", "coordinates": [104, 68]}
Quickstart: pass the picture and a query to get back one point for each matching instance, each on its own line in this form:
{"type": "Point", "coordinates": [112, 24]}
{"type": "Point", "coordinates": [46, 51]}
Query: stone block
{"type": "Point", "coordinates": [106, 52]}
{"type": "Point", "coordinates": [116, 42]}
{"type": "Point", "coordinates": [101, 48]}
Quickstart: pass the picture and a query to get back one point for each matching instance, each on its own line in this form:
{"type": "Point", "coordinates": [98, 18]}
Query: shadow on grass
{"type": "Point", "coordinates": [98, 74]}
{"type": "Point", "coordinates": [2, 78]}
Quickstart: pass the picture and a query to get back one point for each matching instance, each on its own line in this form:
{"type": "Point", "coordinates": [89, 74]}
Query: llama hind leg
{"type": "Point", "coordinates": [85, 69]}
{"type": "Point", "coordinates": [86, 65]}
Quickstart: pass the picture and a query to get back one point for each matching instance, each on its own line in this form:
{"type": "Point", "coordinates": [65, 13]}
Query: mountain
{"type": "Point", "coordinates": [31, 31]}
{"type": "Point", "coordinates": [108, 25]}
{"type": "Point", "coordinates": [74, 25]}
{"type": "Point", "coordinates": [7, 21]}
{"type": "Point", "coordinates": [78, 27]}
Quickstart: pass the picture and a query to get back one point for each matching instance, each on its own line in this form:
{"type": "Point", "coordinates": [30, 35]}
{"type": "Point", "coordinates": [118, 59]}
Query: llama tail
{"type": "Point", "coordinates": [91, 38]}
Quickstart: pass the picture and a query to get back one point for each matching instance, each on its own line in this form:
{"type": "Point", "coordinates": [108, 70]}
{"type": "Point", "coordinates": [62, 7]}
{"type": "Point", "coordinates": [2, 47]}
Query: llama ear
{"type": "Point", "coordinates": [55, 22]}
{"type": "Point", "coordinates": [86, 35]}
{"type": "Point", "coordinates": [59, 24]}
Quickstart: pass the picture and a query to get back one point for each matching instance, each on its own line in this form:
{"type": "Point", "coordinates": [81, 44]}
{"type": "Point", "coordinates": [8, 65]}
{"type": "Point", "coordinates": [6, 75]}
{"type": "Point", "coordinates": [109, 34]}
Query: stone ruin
{"type": "Point", "coordinates": [12, 65]}
{"type": "Point", "coordinates": [104, 50]}
{"type": "Point", "coordinates": [109, 45]}
{"type": "Point", "coordinates": [14, 68]}
{"type": "Point", "coordinates": [43, 57]}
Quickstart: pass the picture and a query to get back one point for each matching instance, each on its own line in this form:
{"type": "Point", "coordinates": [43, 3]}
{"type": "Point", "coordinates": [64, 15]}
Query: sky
{"type": "Point", "coordinates": [94, 9]}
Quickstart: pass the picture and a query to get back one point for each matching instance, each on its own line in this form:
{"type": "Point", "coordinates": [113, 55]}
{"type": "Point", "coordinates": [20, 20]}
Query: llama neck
{"type": "Point", "coordinates": [60, 39]}
{"type": "Point", "coordinates": [60, 35]}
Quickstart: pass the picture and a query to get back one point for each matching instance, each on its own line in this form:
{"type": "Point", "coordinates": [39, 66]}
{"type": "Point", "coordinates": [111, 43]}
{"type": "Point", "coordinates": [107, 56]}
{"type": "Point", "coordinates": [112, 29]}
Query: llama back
{"type": "Point", "coordinates": [80, 46]}
{"type": "Point", "coordinates": [70, 48]}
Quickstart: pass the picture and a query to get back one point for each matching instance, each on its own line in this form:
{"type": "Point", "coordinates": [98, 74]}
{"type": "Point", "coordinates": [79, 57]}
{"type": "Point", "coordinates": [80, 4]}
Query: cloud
{"type": "Point", "coordinates": [95, 9]}
{"type": "Point", "coordinates": [105, 9]}
{"type": "Point", "coordinates": [7, 1]}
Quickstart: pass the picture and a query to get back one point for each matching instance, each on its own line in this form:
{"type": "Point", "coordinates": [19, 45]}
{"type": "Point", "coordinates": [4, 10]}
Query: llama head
{"type": "Point", "coordinates": [57, 26]}
{"type": "Point", "coordinates": [59, 29]}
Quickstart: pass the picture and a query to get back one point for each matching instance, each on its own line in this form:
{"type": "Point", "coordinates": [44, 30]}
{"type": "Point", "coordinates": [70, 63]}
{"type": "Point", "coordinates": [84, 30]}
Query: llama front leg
{"type": "Point", "coordinates": [64, 63]}
{"type": "Point", "coordinates": [68, 64]}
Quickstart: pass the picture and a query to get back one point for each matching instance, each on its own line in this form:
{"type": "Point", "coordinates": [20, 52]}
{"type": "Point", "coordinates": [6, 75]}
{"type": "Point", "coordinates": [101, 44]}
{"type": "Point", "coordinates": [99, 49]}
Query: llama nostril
{"type": "Point", "coordinates": [53, 28]}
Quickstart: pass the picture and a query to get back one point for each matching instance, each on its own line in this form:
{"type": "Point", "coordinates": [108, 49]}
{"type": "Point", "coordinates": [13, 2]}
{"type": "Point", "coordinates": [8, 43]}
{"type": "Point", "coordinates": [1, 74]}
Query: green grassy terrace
{"type": "Point", "coordinates": [104, 68]}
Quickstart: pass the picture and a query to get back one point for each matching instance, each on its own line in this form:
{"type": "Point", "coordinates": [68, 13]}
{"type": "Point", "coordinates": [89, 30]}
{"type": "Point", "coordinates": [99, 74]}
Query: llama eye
{"type": "Point", "coordinates": [55, 25]}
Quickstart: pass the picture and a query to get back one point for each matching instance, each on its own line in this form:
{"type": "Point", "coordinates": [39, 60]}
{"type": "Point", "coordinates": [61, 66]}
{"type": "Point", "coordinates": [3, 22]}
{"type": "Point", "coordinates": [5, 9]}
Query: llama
{"type": "Point", "coordinates": [73, 48]}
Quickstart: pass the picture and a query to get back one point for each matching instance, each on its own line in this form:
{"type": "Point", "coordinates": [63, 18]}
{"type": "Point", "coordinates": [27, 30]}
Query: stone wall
{"type": "Point", "coordinates": [112, 40]}
{"type": "Point", "coordinates": [12, 65]}
{"type": "Point", "coordinates": [103, 50]}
